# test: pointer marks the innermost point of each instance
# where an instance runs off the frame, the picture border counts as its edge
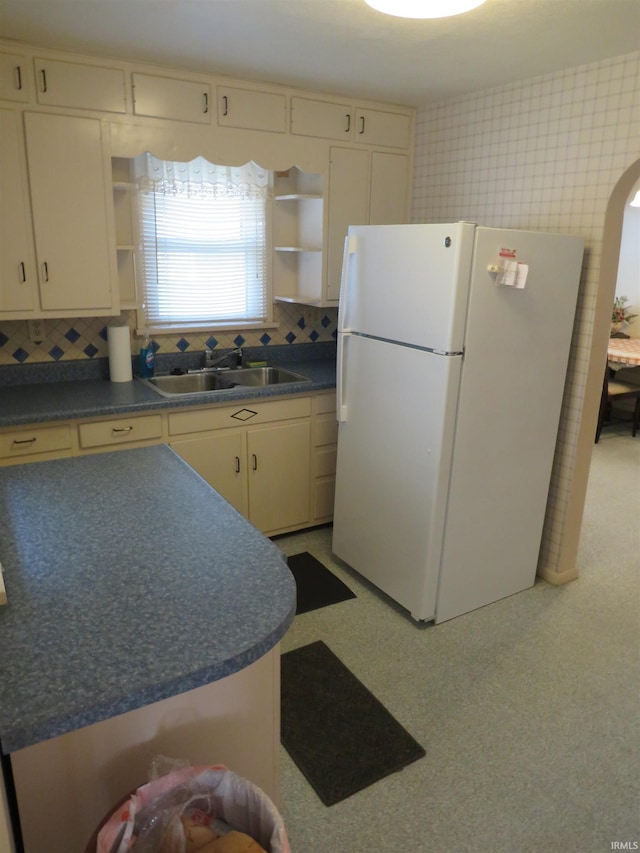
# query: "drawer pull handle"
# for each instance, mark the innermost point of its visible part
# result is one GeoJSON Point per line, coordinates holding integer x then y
{"type": "Point", "coordinates": [43, 73]}
{"type": "Point", "coordinates": [23, 273]}
{"type": "Point", "coordinates": [45, 271]}
{"type": "Point", "coordinates": [23, 441]}
{"type": "Point", "coordinates": [121, 429]}
{"type": "Point", "coordinates": [255, 461]}
{"type": "Point", "coordinates": [237, 464]}
{"type": "Point", "coordinates": [225, 105]}
{"type": "Point", "coordinates": [348, 127]}
{"type": "Point", "coordinates": [361, 124]}
{"type": "Point", "coordinates": [205, 102]}
{"type": "Point", "coordinates": [18, 78]}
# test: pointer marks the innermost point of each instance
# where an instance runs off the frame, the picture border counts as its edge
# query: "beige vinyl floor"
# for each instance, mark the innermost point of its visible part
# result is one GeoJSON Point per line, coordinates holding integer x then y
{"type": "Point", "coordinates": [527, 708]}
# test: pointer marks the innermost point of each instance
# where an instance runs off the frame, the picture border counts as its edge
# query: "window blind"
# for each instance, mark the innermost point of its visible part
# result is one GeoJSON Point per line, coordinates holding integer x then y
{"type": "Point", "coordinates": [203, 254]}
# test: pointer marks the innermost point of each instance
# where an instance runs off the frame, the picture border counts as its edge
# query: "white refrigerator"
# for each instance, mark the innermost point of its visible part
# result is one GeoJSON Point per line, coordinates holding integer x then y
{"type": "Point", "coordinates": [453, 342]}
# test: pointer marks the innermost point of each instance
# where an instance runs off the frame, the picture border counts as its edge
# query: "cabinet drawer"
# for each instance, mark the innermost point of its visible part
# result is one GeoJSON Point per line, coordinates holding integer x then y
{"type": "Point", "coordinates": [242, 414]}
{"type": "Point", "coordinates": [324, 403]}
{"type": "Point", "coordinates": [326, 430]}
{"type": "Point", "coordinates": [116, 432]}
{"type": "Point", "coordinates": [38, 440]}
{"type": "Point", "coordinates": [326, 462]}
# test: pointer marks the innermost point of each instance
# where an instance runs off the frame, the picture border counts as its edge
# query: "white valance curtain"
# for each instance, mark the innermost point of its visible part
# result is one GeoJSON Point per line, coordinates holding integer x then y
{"type": "Point", "coordinates": [199, 178]}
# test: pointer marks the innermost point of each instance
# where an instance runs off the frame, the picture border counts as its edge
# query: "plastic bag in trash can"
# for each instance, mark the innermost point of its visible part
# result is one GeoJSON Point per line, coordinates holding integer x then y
{"type": "Point", "coordinates": [154, 818]}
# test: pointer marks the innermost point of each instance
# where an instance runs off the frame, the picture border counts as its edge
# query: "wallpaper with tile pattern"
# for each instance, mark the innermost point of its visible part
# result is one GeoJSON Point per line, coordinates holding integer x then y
{"type": "Point", "coordinates": [543, 154]}
{"type": "Point", "coordinates": [82, 338]}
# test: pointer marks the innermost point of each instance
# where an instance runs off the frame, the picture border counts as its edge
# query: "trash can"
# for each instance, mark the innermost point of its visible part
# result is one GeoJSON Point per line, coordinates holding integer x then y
{"type": "Point", "coordinates": [188, 809]}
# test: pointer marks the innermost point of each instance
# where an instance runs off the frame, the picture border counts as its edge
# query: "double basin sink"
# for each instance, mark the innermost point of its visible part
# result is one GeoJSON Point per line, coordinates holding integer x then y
{"type": "Point", "coordinates": [206, 380]}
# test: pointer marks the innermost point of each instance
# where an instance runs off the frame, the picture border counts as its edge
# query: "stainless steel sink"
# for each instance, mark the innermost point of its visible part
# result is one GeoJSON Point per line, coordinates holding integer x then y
{"type": "Point", "coordinates": [205, 381]}
{"type": "Point", "coordinates": [264, 376]}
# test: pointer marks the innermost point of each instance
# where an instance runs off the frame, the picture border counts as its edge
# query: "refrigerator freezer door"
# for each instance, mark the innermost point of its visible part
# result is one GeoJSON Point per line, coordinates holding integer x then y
{"type": "Point", "coordinates": [515, 363]}
{"type": "Point", "coordinates": [408, 283]}
{"type": "Point", "coordinates": [394, 453]}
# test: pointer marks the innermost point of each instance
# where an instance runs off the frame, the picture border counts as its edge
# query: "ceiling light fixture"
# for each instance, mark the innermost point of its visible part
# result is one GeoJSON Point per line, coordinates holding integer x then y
{"type": "Point", "coordinates": [636, 200]}
{"type": "Point", "coordinates": [424, 8]}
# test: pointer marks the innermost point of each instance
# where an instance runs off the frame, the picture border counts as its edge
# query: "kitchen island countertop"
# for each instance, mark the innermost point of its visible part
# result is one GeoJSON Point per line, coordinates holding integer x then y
{"type": "Point", "coordinates": [129, 580]}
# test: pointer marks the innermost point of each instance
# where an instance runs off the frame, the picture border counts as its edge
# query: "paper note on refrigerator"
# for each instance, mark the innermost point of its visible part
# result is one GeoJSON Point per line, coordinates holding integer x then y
{"type": "Point", "coordinates": [512, 274]}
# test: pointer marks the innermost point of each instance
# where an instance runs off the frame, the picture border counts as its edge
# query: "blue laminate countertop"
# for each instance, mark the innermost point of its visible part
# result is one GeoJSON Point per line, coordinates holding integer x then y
{"type": "Point", "coordinates": [129, 580]}
{"type": "Point", "coordinates": [51, 401]}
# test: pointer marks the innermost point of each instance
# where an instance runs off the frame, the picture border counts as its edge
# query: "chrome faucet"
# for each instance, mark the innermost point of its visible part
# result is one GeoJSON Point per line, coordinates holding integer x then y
{"type": "Point", "coordinates": [211, 361]}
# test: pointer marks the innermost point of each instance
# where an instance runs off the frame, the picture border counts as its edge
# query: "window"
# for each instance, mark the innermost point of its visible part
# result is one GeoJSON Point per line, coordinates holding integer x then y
{"type": "Point", "coordinates": [204, 244]}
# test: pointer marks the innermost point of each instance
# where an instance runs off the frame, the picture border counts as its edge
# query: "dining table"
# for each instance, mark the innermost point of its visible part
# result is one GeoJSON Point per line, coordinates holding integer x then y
{"type": "Point", "coordinates": [623, 352]}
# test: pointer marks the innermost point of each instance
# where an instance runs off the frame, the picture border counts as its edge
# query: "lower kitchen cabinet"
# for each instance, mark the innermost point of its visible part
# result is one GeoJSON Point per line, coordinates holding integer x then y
{"type": "Point", "coordinates": [262, 469]}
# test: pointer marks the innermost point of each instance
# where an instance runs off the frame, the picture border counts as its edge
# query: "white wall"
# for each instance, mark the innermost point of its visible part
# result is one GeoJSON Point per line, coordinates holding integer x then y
{"type": "Point", "coordinates": [542, 154]}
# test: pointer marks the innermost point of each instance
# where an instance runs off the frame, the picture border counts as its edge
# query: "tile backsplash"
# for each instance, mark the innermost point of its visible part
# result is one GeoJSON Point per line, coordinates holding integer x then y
{"type": "Point", "coordinates": [86, 338]}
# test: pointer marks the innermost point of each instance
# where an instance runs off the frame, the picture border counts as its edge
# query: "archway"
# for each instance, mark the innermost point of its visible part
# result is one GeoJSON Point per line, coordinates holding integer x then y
{"type": "Point", "coordinates": [611, 238]}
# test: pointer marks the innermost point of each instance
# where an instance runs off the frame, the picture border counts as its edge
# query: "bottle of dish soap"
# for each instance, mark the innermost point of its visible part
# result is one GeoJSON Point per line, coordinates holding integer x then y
{"type": "Point", "coordinates": [147, 358]}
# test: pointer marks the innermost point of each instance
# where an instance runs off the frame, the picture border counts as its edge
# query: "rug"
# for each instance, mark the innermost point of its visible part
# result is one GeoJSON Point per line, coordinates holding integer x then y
{"type": "Point", "coordinates": [316, 585]}
{"type": "Point", "coordinates": [338, 734]}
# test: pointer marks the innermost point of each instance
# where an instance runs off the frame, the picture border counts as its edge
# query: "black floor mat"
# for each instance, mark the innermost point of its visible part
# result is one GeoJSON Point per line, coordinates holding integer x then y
{"type": "Point", "coordinates": [316, 585]}
{"type": "Point", "coordinates": [336, 731]}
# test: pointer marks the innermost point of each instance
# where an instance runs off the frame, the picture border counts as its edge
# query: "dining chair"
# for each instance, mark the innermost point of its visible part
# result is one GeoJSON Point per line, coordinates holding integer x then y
{"type": "Point", "coordinates": [613, 391]}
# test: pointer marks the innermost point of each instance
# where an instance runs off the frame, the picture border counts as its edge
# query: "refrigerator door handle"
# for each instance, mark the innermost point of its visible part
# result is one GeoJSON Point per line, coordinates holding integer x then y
{"type": "Point", "coordinates": [341, 407]}
{"type": "Point", "coordinates": [349, 250]}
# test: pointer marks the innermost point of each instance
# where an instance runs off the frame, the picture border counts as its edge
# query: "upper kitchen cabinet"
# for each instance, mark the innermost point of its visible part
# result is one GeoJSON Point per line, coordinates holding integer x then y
{"type": "Point", "coordinates": [13, 77]}
{"type": "Point", "coordinates": [70, 186]}
{"type": "Point", "coordinates": [18, 285]}
{"type": "Point", "coordinates": [88, 87]}
{"type": "Point", "coordinates": [321, 119]}
{"type": "Point", "coordinates": [169, 97]}
{"type": "Point", "coordinates": [251, 109]}
{"type": "Point", "coordinates": [327, 120]}
{"type": "Point", "coordinates": [385, 129]}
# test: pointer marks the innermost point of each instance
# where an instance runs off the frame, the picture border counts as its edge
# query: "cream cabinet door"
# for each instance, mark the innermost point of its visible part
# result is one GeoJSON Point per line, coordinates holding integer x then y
{"type": "Point", "coordinates": [82, 86]}
{"type": "Point", "coordinates": [321, 119]}
{"type": "Point", "coordinates": [220, 459]}
{"type": "Point", "coordinates": [166, 97]}
{"type": "Point", "coordinates": [348, 201]}
{"type": "Point", "coordinates": [18, 284]}
{"type": "Point", "coordinates": [389, 201]}
{"type": "Point", "coordinates": [279, 476]}
{"type": "Point", "coordinates": [376, 127]}
{"type": "Point", "coordinates": [252, 110]}
{"type": "Point", "coordinates": [13, 77]}
{"type": "Point", "coordinates": [75, 247]}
